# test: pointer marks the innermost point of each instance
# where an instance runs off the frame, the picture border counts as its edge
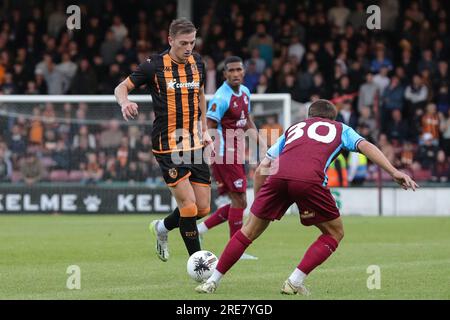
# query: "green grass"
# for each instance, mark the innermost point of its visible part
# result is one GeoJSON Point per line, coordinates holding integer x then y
{"type": "Point", "coordinates": [117, 260]}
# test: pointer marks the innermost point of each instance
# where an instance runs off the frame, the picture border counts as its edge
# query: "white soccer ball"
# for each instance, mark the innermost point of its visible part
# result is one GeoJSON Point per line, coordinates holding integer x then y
{"type": "Point", "coordinates": [201, 265]}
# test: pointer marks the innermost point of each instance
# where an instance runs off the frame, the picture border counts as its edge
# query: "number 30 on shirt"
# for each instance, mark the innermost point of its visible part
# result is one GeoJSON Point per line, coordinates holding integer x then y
{"type": "Point", "coordinates": [296, 132]}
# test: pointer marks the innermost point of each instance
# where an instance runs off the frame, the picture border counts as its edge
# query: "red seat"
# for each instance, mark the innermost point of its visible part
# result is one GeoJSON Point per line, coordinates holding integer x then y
{"type": "Point", "coordinates": [422, 175]}
{"type": "Point", "coordinates": [59, 175]}
{"type": "Point", "coordinates": [76, 175]}
{"type": "Point", "coordinates": [16, 176]}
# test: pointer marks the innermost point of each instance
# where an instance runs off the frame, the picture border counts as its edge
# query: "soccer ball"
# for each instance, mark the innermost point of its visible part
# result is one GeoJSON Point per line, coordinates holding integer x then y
{"type": "Point", "coordinates": [201, 265]}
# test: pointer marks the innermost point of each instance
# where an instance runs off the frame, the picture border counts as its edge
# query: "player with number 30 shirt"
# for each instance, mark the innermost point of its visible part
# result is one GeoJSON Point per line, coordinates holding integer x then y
{"type": "Point", "coordinates": [301, 157]}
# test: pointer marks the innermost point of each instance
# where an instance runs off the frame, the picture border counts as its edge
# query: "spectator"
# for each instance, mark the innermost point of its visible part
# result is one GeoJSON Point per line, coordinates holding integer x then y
{"type": "Point", "coordinates": [272, 129]}
{"type": "Point", "coordinates": [67, 67]}
{"type": "Point", "coordinates": [346, 114]}
{"type": "Point", "coordinates": [407, 155]}
{"type": "Point", "coordinates": [134, 173]}
{"type": "Point", "coordinates": [445, 132]}
{"type": "Point", "coordinates": [430, 122]}
{"type": "Point", "coordinates": [5, 166]}
{"type": "Point", "coordinates": [31, 169]}
{"type": "Point", "coordinates": [380, 61]}
{"type": "Point", "coordinates": [381, 79]}
{"type": "Point", "coordinates": [367, 92]}
{"type": "Point", "coordinates": [357, 168]}
{"type": "Point", "coordinates": [57, 82]}
{"type": "Point", "coordinates": [109, 48]}
{"type": "Point", "coordinates": [416, 96]}
{"type": "Point", "coordinates": [427, 153]}
{"type": "Point", "coordinates": [392, 99]}
{"type": "Point", "coordinates": [84, 134]}
{"type": "Point", "coordinates": [56, 20]}
{"type": "Point", "coordinates": [61, 155]}
{"type": "Point", "coordinates": [211, 76]}
{"type": "Point", "coordinates": [8, 86]}
{"type": "Point", "coordinates": [296, 50]}
{"type": "Point", "coordinates": [386, 147]}
{"type": "Point", "coordinates": [338, 15]}
{"type": "Point", "coordinates": [17, 143]}
{"type": "Point", "coordinates": [443, 99]}
{"type": "Point", "coordinates": [366, 120]}
{"type": "Point", "coordinates": [397, 128]}
{"type": "Point", "coordinates": [111, 138]}
{"type": "Point", "coordinates": [85, 80]}
{"type": "Point", "coordinates": [36, 129]}
{"type": "Point", "coordinates": [319, 88]}
{"type": "Point", "coordinates": [251, 77]}
{"type": "Point", "coordinates": [427, 62]}
{"type": "Point", "coordinates": [118, 29]}
{"type": "Point", "coordinates": [263, 42]}
{"type": "Point", "coordinates": [358, 17]}
{"type": "Point", "coordinates": [93, 173]}
{"type": "Point", "coordinates": [441, 168]}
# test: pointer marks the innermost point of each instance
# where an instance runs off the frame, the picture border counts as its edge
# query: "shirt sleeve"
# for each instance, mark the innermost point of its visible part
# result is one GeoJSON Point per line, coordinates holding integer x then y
{"type": "Point", "coordinates": [217, 108]}
{"type": "Point", "coordinates": [276, 149]}
{"type": "Point", "coordinates": [143, 74]}
{"type": "Point", "coordinates": [350, 138]}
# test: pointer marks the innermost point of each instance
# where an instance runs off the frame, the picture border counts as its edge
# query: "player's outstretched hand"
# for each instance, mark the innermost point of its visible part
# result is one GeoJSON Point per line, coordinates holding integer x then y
{"type": "Point", "coordinates": [405, 181]}
{"type": "Point", "coordinates": [129, 110]}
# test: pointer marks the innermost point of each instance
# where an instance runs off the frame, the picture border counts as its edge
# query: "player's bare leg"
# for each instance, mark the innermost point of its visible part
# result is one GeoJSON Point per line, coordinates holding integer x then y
{"type": "Point", "coordinates": [202, 193]}
{"type": "Point", "coordinates": [252, 229]}
{"type": "Point", "coordinates": [317, 253]}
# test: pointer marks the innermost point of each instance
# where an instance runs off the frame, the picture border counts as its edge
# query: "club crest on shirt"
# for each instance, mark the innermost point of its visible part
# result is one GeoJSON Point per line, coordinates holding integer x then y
{"type": "Point", "coordinates": [238, 183]}
{"type": "Point", "coordinates": [245, 100]}
{"type": "Point", "coordinates": [213, 107]}
{"type": "Point", "coordinates": [173, 173]}
{"type": "Point", "coordinates": [235, 105]}
{"type": "Point", "coordinates": [194, 68]}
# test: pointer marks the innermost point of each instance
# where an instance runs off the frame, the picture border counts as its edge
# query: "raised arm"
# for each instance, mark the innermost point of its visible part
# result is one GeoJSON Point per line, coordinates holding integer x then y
{"type": "Point", "coordinates": [377, 157]}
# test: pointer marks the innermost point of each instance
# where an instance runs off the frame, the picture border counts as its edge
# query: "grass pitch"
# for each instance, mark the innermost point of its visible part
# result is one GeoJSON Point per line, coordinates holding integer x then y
{"type": "Point", "coordinates": [117, 259]}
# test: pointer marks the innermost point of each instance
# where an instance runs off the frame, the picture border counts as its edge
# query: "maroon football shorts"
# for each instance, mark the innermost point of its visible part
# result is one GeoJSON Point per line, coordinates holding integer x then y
{"type": "Point", "coordinates": [229, 177]}
{"type": "Point", "coordinates": [314, 201]}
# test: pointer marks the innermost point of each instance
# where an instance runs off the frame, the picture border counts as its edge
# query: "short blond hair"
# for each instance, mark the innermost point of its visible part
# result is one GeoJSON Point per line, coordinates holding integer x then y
{"type": "Point", "coordinates": [181, 26]}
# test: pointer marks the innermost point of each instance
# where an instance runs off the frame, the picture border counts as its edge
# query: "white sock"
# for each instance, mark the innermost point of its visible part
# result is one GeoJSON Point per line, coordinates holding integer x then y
{"type": "Point", "coordinates": [216, 276]}
{"type": "Point", "coordinates": [297, 277]}
{"type": "Point", "coordinates": [202, 228]}
{"type": "Point", "coordinates": [160, 227]}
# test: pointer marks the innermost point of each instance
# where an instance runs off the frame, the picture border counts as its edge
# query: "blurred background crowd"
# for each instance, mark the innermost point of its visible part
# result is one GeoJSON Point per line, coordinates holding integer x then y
{"type": "Point", "coordinates": [391, 85]}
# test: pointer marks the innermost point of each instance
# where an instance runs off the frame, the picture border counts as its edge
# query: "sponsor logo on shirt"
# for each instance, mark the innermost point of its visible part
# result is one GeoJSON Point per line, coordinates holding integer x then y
{"type": "Point", "coordinates": [173, 84]}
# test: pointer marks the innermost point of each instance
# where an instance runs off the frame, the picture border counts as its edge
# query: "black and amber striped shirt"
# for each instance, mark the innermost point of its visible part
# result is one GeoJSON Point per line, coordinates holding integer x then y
{"type": "Point", "coordinates": [175, 92]}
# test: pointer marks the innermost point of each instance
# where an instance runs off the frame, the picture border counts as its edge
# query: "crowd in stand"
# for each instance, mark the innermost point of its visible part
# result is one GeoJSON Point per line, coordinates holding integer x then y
{"type": "Point", "coordinates": [391, 85]}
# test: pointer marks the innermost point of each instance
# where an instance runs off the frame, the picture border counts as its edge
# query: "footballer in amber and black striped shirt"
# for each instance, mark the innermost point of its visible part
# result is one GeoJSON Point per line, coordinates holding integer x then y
{"type": "Point", "coordinates": [176, 81]}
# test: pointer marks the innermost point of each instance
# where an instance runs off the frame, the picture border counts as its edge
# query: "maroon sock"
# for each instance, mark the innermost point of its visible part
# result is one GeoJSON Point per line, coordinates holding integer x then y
{"type": "Point", "coordinates": [218, 217]}
{"type": "Point", "coordinates": [233, 251]}
{"type": "Point", "coordinates": [235, 220]}
{"type": "Point", "coordinates": [317, 253]}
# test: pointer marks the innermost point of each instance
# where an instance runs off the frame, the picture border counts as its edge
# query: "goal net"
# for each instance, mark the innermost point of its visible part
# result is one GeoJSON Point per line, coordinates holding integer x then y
{"type": "Point", "coordinates": [82, 141]}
